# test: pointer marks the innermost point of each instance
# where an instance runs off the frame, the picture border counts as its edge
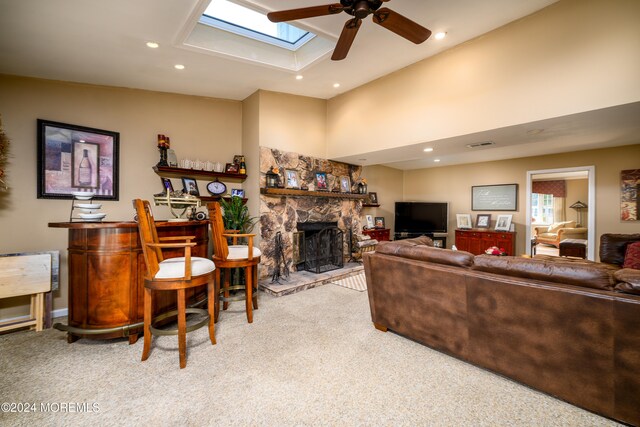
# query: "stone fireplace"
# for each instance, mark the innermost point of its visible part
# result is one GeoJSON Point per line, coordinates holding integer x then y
{"type": "Point", "coordinates": [288, 214]}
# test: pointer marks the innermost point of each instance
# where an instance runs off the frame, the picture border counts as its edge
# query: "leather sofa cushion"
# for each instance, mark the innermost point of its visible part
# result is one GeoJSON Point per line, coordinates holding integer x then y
{"type": "Point", "coordinates": [413, 250]}
{"type": "Point", "coordinates": [630, 280]}
{"type": "Point", "coordinates": [614, 246]}
{"type": "Point", "coordinates": [586, 274]}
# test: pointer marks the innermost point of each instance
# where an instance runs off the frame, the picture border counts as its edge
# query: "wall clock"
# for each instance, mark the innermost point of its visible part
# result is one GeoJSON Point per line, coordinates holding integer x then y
{"type": "Point", "coordinates": [216, 188]}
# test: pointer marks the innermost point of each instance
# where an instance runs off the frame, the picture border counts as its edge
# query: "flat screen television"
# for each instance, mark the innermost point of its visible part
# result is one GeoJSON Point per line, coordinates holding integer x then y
{"type": "Point", "coordinates": [421, 217]}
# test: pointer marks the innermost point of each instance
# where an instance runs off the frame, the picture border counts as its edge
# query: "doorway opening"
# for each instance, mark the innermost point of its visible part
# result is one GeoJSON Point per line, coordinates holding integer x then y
{"type": "Point", "coordinates": [565, 198]}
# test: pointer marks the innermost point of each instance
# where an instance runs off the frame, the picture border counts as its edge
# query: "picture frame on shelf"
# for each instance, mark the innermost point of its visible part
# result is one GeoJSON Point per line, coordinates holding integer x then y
{"type": "Point", "coordinates": [237, 192]}
{"type": "Point", "coordinates": [75, 158]}
{"type": "Point", "coordinates": [369, 221]}
{"type": "Point", "coordinates": [483, 220]}
{"type": "Point", "coordinates": [166, 184]}
{"type": "Point", "coordinates": [373, 198]}
{"type": "Point", "coordinates": [190, 186]}
{"type": "Point", "coordinates": [238, 158]}
{"type": "Point", "coordinates": [503, 223]}
{"type": "Point", "coordinates": [463, 221]}
{"type": "Point", "coordinates": [172, 159]}
{"type": "Point", "coordinates": [291, 179]}
{"type": "Point", "coordinates": [231, 168]}
{"type": "Point", "coordinates": [345, 184]}
{"type": "Point", "coordinates": [321, 181]}
{"type": "Point", "coordinates": [379, 222]}
{"type": "Point", "coordinates": [437, 243]}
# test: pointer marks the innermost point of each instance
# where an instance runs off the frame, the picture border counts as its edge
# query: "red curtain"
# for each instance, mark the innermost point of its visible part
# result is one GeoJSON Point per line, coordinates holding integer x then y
{"type": "Point", "coordinates": [557, 188]}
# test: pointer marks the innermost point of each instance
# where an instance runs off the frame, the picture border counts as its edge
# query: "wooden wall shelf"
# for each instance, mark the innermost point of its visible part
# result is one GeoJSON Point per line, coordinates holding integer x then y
{"type": "Point", "coordinates": [303, 193]}
{"type": "Point", "coordinates": [370, 205]}
{"type": "Point", "coordinates": [171, 172]}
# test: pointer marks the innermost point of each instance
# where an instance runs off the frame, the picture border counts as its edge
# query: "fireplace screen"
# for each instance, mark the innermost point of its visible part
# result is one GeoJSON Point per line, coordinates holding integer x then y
{"type": "Point", "coordinates": [319, 246]}
{"type": "Point", "coordinates": [323, 250]}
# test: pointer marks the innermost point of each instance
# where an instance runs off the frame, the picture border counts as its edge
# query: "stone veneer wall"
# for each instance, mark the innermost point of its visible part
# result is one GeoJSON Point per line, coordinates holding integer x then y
{"type": "Point", "coordinates": [282, 213]}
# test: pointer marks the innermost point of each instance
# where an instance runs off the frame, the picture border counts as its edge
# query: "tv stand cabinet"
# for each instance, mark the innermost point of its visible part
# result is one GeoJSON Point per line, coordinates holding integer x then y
{"type": "Point", "coordinates": [439, 239]}
{"type": "Point", "coordinates": [477, 240]}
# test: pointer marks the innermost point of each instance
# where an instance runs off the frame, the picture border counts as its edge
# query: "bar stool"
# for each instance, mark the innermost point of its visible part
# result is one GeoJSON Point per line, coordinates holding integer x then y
{"type": "Point", "coordinates": [172, 274]}
{"type": "Point", "coordinates": [235, 256]}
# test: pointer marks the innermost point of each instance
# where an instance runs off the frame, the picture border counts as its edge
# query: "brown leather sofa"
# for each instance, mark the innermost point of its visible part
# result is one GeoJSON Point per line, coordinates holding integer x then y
{"type": "Point", "coordinates": [555, 325]}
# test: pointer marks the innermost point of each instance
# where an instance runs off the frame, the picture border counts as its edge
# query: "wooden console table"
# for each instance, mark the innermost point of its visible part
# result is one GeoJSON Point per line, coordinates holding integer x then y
{"type": "Point", "coordinates": [478, 240]}
{"type": "Point", "coordinates": [106, 276]}
{"type": "Point", "coordinates": [380, 234]}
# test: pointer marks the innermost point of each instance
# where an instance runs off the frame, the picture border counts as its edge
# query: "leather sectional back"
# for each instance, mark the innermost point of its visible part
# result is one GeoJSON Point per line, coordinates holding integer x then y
{"type": "Point", "coordinates": [614, 246]}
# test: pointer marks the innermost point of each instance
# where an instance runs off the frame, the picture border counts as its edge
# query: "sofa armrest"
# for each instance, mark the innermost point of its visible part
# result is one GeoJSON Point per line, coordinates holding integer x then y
{"type": "Point", "coordinates": [540, 229]}
{"type": "Point", "coordinates": [629, 280]}
{"type": "Point", "coordinates": [572, 233]}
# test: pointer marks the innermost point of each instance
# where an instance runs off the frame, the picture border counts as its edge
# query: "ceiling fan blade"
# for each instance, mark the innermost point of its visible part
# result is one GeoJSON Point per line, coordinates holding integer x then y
{"type": "Point", "coordinates": [400, 25]}
{"type": "Point", "coordinates": [305, 12]}
{"type": "Point", "coordinates": [346, 39]}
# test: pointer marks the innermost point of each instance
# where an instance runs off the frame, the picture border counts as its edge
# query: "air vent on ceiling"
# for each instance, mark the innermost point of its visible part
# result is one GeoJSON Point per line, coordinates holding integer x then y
{"type": "Point", "coordinates": [481, 144]}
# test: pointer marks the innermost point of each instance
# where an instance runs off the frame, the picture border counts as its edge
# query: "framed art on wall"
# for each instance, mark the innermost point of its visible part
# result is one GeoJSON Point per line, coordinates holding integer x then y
{"type": "Point", "coordinates": [74, 158]}
{"type": "Point", "coordinates": [502, 197]}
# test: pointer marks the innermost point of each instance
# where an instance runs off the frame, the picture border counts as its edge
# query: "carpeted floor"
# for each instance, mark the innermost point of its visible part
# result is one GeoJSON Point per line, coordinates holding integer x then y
{"type": "Point", "coordinates": [311, 358]}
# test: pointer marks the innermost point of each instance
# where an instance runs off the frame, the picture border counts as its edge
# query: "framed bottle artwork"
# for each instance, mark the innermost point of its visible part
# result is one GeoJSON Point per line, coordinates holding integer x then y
{"type": "Point", "coordinates": [74, 158]}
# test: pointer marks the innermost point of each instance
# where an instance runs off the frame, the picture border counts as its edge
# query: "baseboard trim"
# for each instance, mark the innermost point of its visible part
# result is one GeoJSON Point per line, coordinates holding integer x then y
{"type": "Point", "coordinates": [62, 312]}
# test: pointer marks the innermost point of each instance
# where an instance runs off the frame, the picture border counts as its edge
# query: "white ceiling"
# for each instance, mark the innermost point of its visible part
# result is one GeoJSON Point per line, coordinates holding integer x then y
{"type": "Point", "coordinates": [103, 42]}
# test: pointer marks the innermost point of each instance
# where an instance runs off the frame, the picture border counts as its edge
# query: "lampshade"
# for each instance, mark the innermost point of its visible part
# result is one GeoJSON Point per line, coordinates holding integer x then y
{"type": "Point", "coordinates": [578, 205]}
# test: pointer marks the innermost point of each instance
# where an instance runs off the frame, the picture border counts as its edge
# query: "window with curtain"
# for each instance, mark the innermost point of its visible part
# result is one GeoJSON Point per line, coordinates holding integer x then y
{"type": "Point", "coordinates": [548, 201]}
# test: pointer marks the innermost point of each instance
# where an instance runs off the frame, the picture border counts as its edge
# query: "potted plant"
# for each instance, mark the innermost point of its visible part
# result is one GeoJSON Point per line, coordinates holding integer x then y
{"type": "Point", "coordinates": [235, 215]}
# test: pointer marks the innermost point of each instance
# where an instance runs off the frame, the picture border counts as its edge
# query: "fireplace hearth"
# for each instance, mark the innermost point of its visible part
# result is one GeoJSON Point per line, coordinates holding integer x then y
{"type": "Point", "coordinates": [322, 247]}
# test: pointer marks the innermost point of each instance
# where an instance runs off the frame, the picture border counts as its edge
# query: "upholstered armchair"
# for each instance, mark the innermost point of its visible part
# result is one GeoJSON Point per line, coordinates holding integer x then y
{"type": "Point", "coordinates": [555, 233]}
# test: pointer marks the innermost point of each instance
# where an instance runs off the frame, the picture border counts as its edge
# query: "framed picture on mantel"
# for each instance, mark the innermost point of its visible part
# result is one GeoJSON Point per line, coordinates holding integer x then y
{"type": "Point", "coordinates": [74, 158]}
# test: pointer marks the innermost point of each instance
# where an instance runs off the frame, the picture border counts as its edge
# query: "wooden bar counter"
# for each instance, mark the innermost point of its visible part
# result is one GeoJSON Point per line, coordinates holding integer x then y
{"type": "Point", "coordinates": [106, 276]}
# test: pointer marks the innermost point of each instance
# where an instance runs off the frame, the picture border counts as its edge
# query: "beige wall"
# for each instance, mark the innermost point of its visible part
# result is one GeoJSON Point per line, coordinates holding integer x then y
{"type": "Point", "coordinates": [293, 123]}
{"type": "Point", "coordinates": [453, 184]}
{"type": "Point", "coordinates": [387, 183]}
{"type": "Point", "coordinates": [573, 56]}
{"type": "Point", "coordinates": [251, 150]}
{"type": "Point", "coordinates": [577, 189]}
{"type": "Point", "coordinates": [203, 128]}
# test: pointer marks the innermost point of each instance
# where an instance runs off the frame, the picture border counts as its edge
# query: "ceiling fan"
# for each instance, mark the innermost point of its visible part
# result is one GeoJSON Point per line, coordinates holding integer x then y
{"type": "Point", "coordinates": [359, 9]}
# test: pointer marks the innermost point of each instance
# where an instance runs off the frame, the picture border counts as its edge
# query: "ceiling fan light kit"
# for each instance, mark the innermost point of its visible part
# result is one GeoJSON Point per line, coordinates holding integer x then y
{"type": "Point", "coordinates": [359, 9]}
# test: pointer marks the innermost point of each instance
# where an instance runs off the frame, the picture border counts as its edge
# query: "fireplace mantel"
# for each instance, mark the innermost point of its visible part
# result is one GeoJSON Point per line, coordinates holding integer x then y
{"type": "Point", "coordinates": [304, 193]}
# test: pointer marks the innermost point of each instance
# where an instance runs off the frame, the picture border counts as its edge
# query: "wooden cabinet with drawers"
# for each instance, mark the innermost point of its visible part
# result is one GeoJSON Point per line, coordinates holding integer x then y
{"type": "Point", "coordinates": [477, 241]}
{"type": "Point", "coordinates": [380, 234]}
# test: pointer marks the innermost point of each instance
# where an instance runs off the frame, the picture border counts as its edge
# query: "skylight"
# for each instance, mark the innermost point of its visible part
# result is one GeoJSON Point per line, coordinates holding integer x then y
{"type": "Point", "coordinates": [237, 19]}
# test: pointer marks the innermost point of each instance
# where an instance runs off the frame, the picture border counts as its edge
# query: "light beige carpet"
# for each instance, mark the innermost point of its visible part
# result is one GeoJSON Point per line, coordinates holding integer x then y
{"type": "Point", "coordinates": [312, 358]}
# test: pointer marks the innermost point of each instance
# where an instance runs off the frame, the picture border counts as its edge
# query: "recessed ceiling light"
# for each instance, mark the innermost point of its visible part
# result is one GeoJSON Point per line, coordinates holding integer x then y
{"type": "Point", "coordinates": [179, 67]}
{"type": "Point", "coordinates": [534, 131]}
{"type": "Point", "coordinates": [299, 77]}
{"type": "Point", "coordinates": [436, 160]}
{"type": "Point", "coordinates": [362, 160]}
{"type": "Point", "coordinates": [428, 150]}
{"type": "Point", "coordinates": [440, 35]}
{"type": "Point", "coordinates": [153, 45]}
{"type": "Point", "coordinates": [336, 85]}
